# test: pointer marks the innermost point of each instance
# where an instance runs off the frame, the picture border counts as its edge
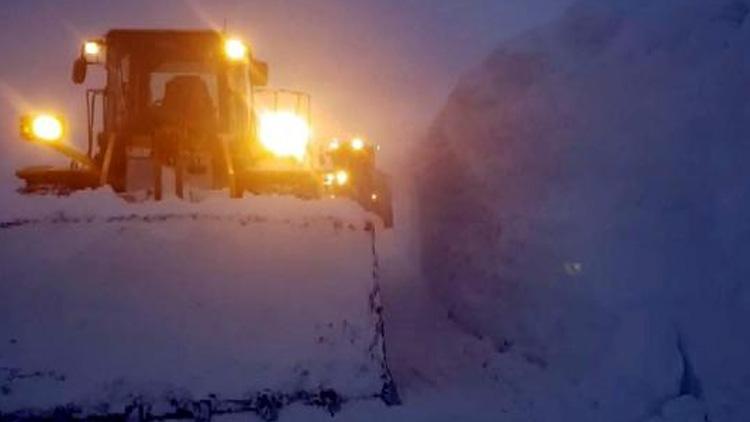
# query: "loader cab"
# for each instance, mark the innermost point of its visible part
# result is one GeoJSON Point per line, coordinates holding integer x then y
{"type": "Point", "coordinates": [188, 111]}
{"type": "Point", "coordinates": [180, 96]}
{"type": "Point", "coordinates": [153, 73]}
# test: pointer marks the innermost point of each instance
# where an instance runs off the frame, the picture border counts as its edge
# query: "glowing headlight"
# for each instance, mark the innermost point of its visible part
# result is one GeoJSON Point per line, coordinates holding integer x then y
{"type": "Point", "coordinates": [358, 144]}
{"type": "Point", "coordinates": [235, 49]}
{"type": "Point", "coordinates": [334, 144]}
{"type": "Point", "coordinates": [92, 48]}
{"type": "Point", "coordinates": [284, 133]}
{"type": "Point", "coordinates": [93, 51]}
{"type": "Point", "coordinates": [342, 177]}
{"type": "Point", "coordinates": [42, 127]}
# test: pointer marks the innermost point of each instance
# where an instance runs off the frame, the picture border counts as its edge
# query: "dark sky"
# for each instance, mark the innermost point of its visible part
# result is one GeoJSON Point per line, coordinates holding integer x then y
{"type": "Point", "coordinates": [377, 67]}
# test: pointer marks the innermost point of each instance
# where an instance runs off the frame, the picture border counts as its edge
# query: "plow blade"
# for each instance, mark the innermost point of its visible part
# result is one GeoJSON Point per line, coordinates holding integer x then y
{"type": "Point", "coordinates": [187, 316]}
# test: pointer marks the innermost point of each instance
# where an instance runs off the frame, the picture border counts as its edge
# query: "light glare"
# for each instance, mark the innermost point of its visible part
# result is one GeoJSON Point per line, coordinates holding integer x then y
{"type": "Point", "coordinates": [47, 127]}
{"type": "Point", "coordinates": [358, 144]}
{"type": "Point", "coordinates": [235, 49]}
{"type": "Point", "coordinates": [284, 134]}
{"type": "Point", "coordinates": [342, 177]}
{"type": "Point", "coordinates": [91, 48]}
{"type": "Point", "coordinates": [93, 51]}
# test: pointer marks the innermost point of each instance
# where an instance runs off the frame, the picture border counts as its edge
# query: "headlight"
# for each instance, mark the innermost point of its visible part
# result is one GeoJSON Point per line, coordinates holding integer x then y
{"type": "Point", "coordinates": [235, 49]}
{"type": "Point", "coordinates": [93, 51]}
{"type": "Point", "coordinates": [342, 177]}
{"type": "Point", "coordinates": [284, 133]}
{"type": "Point", "coordinates": [334, 144]}
{"type": "Point", "coordinates": [358, 144]}
{"type": "Point", "coordinates": [42, 127]}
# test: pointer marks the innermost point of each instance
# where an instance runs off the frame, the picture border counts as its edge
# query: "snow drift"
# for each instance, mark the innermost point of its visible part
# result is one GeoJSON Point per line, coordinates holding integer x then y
{"type": "Point", "coordinates": [584, 204]}
{"type": "Point", "coordinates": [184, 310]}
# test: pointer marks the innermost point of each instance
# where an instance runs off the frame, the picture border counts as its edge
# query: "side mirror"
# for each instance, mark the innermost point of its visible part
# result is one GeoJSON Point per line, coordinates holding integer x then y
{"type": "Point", "coordinates": [79, 71]}
{"type": "Point", "coordinates": [258, 72]}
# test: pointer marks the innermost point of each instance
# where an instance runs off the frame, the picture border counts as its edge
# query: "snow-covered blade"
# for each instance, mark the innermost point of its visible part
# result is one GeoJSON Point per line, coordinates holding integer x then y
{"type": "Point", "coordinates": [185, 314]}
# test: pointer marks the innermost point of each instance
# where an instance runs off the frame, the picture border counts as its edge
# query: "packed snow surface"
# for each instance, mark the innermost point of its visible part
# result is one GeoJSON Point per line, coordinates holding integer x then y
{"type": "Point", "coordinates": [584, 200]}
{"type": "Point", "coordinates": [107, 304]}
{"type": "Point", "coordinates": [103, 202]}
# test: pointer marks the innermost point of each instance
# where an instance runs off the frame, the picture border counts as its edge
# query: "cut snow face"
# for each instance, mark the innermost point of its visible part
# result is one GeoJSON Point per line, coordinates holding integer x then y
{"type": "Point", "coordinates": [584, 204]}
{"type": "Point", "coordinates": [186, 309]}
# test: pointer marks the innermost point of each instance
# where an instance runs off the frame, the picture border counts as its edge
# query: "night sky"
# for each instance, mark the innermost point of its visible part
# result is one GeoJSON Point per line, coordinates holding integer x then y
{"type": "Point", "coordinates": [380, 68]}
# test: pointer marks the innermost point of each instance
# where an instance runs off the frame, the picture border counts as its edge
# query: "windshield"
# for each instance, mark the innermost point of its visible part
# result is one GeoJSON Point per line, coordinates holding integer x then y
{"type": "Point", "coordinates": [155, 93]}
{"type": "Point", "coordinates": [169, 72]}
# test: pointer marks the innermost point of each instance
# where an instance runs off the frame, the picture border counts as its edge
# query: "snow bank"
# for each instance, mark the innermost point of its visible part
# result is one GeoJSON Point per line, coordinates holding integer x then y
{"type": "Point", "coordinates": [584, 203]}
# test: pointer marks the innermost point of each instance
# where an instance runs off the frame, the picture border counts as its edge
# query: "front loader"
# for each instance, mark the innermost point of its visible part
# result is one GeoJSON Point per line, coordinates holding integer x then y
{"type": "Point", "coordinates": [214, 282]}
{"type": "Point", "coordinates": [187, 112]}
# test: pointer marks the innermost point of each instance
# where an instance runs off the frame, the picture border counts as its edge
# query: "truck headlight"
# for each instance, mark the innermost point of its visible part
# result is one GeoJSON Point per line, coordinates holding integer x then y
{"type": "Point", "coordinates": [42, 127]}
{"type": "Point", "coordinates": [342, 177]}
{"type": "Point", "coordinates": [284, 134]}
{"type": "Point", "coordinates": [358, 144]}
{"type": "Point", "coordinates": [339, 177]}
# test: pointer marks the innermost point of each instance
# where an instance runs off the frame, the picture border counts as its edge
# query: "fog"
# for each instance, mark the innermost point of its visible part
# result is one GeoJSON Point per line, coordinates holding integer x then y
{"type": "Point", "coordinates": [381, 69]}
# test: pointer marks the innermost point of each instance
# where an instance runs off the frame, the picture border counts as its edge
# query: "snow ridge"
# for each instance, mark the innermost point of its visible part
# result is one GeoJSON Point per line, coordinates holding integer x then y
{"type": "Point", "coordinates": [584, 192]}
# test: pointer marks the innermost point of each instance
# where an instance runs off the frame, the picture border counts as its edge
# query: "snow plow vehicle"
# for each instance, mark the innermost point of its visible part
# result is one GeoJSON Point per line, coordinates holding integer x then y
{"type": "Point", "coordinates": [194, 104]}
{"type": "Point", "coordinates": [209, 283]}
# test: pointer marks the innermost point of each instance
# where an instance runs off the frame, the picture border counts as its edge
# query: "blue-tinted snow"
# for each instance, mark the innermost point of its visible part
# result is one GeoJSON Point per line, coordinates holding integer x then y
{"type": "Point", "coordinates": [585, 205]}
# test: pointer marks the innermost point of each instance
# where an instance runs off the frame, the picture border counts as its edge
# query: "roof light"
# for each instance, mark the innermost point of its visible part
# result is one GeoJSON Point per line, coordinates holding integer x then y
{"type": "Point", "coordinates": [91, 48]}
{"type": "Point", "coordinates": [93, 51]}
{"type": "Point", "coordinates": [235, 49]}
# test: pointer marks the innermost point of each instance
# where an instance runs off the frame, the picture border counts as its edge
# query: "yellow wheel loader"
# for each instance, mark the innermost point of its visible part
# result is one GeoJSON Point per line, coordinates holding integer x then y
{"type": "Point", "coordinates": [166, 301]}
{"type": "Point", "coordinates": [195, 104]}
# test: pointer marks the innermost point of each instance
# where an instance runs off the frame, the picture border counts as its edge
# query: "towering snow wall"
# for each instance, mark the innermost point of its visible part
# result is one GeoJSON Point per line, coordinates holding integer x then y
{"type": "Point", "coordinates": [585, 203]}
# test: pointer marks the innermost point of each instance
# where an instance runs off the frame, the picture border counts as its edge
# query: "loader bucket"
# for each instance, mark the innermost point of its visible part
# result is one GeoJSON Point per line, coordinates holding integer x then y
{"type": "Point", "coordinates": [150, 314]}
